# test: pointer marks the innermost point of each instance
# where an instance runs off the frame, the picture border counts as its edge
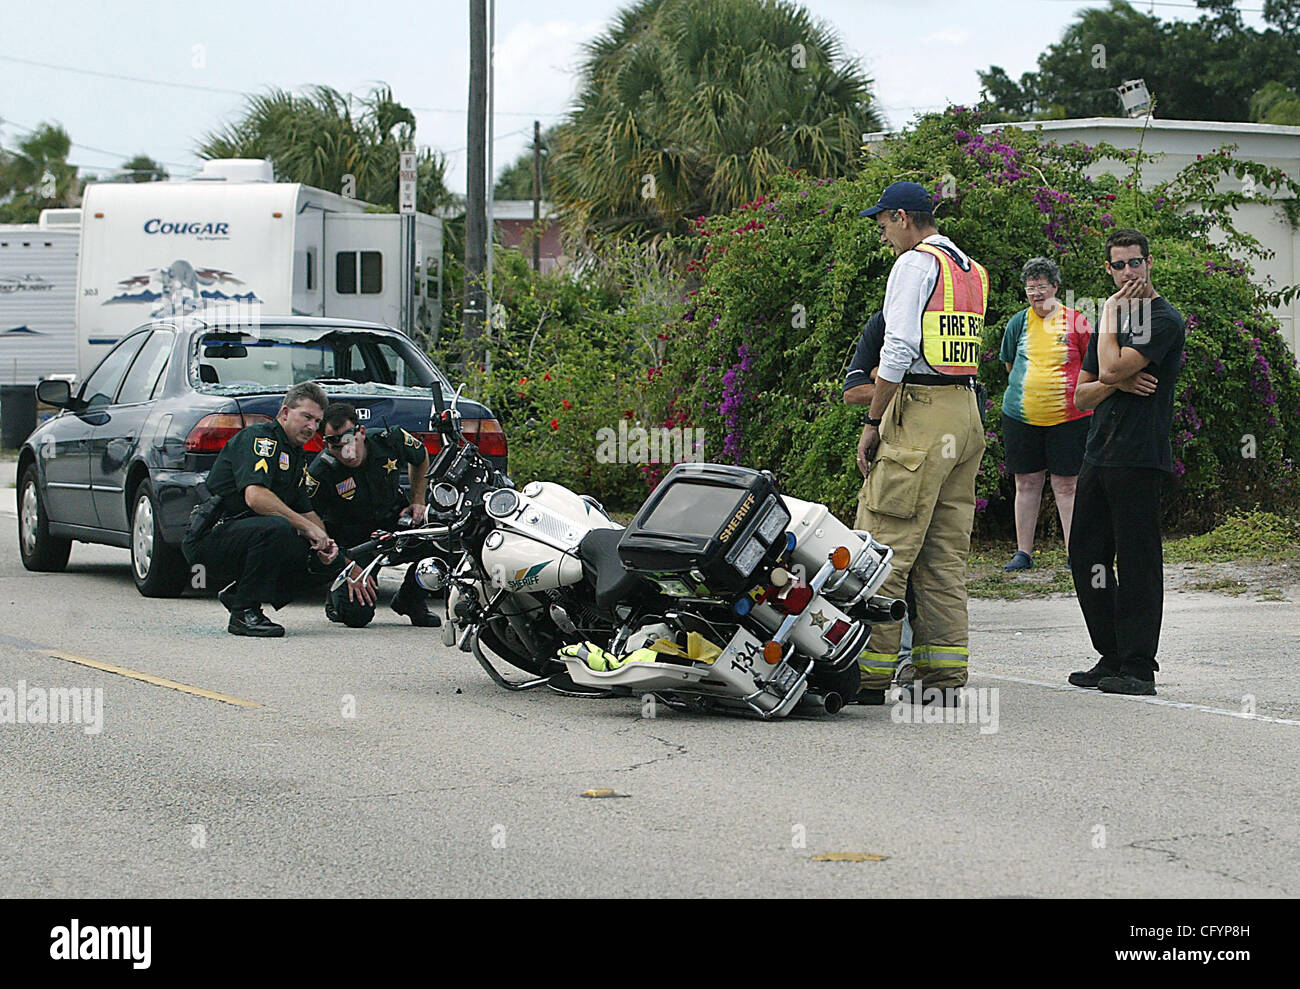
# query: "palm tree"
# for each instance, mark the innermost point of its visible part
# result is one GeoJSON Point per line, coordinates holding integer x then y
{"type": "Point", "coordinates": [37, 176]}
{"type": "Point", "coordinates": [321, 137]}
{"type": "Point", "coordinates": [688, 108]}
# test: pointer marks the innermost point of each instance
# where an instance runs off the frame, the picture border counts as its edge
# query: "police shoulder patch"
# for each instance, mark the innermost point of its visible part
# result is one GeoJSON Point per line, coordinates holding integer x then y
{"type": "Point", "coordinates": [263, 446]}
{"type": "Point", "coordinates": [347, 488]}
{"type": "Point", "coordinates": [411, 440]}
{"type": "Point", "coordinates": [311, 482]}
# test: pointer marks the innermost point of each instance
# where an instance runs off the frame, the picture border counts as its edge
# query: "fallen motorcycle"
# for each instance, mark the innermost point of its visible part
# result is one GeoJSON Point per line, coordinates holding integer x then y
{"type": "Point", "coordinates": [721, 593]}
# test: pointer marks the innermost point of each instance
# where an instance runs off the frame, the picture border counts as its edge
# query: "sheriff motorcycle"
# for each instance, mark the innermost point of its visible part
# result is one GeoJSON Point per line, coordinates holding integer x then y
{"type": "Point", "coordinates": [721, 592]}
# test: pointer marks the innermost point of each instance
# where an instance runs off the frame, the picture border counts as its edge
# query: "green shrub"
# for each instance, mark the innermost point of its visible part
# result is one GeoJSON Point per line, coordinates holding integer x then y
{"type": "Point", "coordinates": [786, 282]}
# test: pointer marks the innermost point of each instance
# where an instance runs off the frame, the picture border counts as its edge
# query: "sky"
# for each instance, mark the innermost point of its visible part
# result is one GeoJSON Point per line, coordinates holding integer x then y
{"type": "Point", "coordinates": [128, 77]}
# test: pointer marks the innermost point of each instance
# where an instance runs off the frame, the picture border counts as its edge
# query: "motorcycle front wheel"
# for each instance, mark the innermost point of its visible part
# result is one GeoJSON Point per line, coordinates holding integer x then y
{"type": "Point", "coordinates": [500, 638]}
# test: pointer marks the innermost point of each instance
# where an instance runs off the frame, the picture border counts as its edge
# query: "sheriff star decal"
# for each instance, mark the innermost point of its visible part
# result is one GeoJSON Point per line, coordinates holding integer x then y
{"type": "Point", "coordinates": [818, 619]}
{"type": "Point", "coordinates": [390, 465]}
{"type": "Point", "coordinates": [263, 446]}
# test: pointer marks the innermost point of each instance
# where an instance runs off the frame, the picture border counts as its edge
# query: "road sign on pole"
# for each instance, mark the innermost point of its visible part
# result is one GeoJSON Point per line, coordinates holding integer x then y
{"type": "Point", "coordinates": [406, 190]}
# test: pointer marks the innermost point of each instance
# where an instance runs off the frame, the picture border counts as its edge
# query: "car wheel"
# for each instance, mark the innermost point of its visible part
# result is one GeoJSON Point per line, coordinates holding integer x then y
{"type": "Point", "coordinates": [40, 551]}
{"type": "Point", "coordinates": [159, 569]}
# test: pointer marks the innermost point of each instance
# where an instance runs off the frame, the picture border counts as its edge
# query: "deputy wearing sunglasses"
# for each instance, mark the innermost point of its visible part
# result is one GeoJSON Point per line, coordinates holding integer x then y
{"type": "Point", "coordinates": [1128, 376]}
{"type": "Point", "coordinates": [355, 486]}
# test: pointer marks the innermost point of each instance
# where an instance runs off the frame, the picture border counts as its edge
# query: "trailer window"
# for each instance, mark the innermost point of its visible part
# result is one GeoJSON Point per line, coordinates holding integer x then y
{"type": "Point", "coordinates": [370, 264]}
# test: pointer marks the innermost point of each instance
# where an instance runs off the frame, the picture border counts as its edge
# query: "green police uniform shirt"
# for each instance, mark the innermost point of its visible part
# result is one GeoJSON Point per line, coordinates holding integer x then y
{"type": "Point", "coordinates": [361, 497]}
{"type": "Point", "coordinates": [262, 455]}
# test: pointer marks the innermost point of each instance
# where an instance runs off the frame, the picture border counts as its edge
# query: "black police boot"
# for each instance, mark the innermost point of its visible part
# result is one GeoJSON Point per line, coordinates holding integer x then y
{"type": "Point", "coordinates": [330, 613]}
{"type": "Point", "coordinates": [409, 601]}
{"type": "Point", "coordinates": [251, 621]}
{"type": "Point", "coordinates": [872, 698]}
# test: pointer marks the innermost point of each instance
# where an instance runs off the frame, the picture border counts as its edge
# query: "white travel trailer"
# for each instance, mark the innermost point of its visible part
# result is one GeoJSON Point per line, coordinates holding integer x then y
{"type": "Point", "coordinates": [38, 297]}
{"type": "Point", "coordinates": [233, 236]}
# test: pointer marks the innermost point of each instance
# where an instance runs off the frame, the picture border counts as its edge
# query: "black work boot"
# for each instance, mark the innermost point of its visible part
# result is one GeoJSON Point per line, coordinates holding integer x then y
{"type": "Point", "coordinates": [872, 698]}
{"type": "Point", "coordinates": [409, 601]}
{"type": "Point", "coordinates": [1093, 677]}
{"type": "Point", "coordinates": [918, 693]}
{"type": "Point", "coordinates": [1126, 683]}
{"type": "Point", "coordinates": [251, 621]}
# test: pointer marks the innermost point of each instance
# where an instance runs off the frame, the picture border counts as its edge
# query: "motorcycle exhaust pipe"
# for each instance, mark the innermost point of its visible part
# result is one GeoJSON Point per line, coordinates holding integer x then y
{"type": "Point", "coordinates": [883, 609]}
{"type": "Point", "coordinates": [827, 703]}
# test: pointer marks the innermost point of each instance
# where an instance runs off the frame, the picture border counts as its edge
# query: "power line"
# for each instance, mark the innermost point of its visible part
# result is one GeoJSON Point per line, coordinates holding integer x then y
{"type": "Point", "coordinates": [87, 147]}
{"type": "Point", "coordinates": [237, 92]}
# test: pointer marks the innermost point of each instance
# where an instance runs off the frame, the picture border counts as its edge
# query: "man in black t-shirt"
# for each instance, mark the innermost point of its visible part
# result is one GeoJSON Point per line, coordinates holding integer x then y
{"type": "Point", "coordinates": [1128, 377]}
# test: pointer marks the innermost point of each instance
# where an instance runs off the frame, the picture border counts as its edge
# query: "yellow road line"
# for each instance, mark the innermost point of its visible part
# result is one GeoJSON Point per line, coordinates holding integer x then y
{"type": "Point", "coordinates": [184, 688]}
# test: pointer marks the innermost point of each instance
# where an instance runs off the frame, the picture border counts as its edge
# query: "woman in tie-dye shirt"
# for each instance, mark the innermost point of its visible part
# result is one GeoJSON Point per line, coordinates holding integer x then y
{"type": "Point", "coordinates": [1043, 433]}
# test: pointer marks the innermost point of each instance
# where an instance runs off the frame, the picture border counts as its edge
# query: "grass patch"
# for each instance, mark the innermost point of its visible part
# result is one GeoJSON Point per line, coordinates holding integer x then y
{"type": "Point", "coordinates": [1227, 585]}
{"type": "Point", "coordinates": [1016, 587]}
{"type": "Point", "coordinates": [1241, 536]}
{"type": "Point", "coordinates": [1271, 594]}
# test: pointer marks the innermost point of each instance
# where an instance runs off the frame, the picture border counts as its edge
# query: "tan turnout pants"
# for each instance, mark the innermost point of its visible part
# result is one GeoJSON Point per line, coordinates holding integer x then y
{"type": "Point", "coordinates": [919, 498]}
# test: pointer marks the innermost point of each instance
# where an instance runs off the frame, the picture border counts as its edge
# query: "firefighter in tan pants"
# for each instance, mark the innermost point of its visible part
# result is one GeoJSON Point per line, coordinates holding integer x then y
{"type": "Point", "coordinates": [922, 444]}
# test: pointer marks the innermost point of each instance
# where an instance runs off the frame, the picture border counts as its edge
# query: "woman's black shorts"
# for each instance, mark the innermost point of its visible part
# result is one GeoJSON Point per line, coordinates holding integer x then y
{"type": "Point", "coordinates": [1055, 449]}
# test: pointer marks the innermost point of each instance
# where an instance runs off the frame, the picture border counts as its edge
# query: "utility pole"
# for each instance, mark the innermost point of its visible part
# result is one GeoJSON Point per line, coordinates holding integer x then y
{"type": "Point", "coordinates": [475, 308]}
{"type": "Point", "coordinates": [491, 139]}
{"type": "Point", "coordinates": [537, 195]}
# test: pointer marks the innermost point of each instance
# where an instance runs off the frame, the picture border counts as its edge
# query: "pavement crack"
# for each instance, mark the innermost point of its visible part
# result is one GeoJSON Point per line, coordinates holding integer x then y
{"type": "Point", "coordinates": [1173, 856]}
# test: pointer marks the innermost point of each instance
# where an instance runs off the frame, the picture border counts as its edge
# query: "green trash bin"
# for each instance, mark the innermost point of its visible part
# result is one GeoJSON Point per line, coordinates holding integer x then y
{"type": "Point", "coordinates": [17, 415]}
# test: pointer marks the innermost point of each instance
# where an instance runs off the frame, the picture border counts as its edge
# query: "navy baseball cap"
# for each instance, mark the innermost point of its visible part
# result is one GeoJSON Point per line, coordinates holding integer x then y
{"type": "Point", "coordinates": [902, 195]}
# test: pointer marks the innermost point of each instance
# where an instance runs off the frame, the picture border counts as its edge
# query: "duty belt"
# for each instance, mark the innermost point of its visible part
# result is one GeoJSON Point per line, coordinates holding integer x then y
{"type": "Point", "coordinates": [962, 380]}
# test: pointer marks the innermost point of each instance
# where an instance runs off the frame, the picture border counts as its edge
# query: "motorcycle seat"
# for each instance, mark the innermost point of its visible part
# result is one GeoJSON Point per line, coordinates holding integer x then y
{"type": "Point", "coordinates": [600, 561]}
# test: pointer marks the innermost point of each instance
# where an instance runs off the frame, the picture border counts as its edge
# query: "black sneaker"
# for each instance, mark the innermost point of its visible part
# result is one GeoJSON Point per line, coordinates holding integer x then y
{"type": "Point", "coordinates": [1093, 677]}
{"type": "Point", "coordinates": [227, 597]}
{"type": "Point", "coordinates": [251, 621]}
{"type": "Point", "coordinates": [1126, 684]}
{"type": "Point", "coordinates": [872, 698]}
{"type": "Point", "coordinates": [330, 613]}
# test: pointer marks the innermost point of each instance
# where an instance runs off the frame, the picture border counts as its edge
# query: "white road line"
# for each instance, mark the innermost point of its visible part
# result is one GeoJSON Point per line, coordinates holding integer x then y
{"type": "Point", "coordinates": [1204, 709]}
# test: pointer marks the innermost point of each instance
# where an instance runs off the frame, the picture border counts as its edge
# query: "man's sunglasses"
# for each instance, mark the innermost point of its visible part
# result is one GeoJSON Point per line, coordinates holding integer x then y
{"type": "Point", "coordinates": [1131, 262]}
{"type": "Point", "coordinates": [336, 442]}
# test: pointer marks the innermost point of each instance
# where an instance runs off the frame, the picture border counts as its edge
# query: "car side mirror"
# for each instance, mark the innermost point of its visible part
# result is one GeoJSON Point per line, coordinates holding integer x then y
{"type": "Point", "coordinates": [54, 392]}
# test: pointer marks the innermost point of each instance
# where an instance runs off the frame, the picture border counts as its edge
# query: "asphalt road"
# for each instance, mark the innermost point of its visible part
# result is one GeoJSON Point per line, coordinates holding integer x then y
{"type": "Point", "coordinates": [439, 783]}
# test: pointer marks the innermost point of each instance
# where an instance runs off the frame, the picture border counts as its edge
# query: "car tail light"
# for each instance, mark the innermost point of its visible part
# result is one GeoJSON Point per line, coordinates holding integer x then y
{"type": "Point", "coordinates": [487, 435]}
{"type": "Point", "coordinates": [432, 442]}
{"type": "Point", "coordinates": [214, 431]}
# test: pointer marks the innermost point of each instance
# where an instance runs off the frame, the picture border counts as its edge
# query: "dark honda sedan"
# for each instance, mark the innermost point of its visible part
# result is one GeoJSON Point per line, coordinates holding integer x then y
{"type": "Point", "coordinates": [121, 463]}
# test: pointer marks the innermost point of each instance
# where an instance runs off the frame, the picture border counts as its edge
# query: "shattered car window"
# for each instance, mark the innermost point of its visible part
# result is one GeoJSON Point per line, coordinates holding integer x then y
{"type": "Point", "coordinates": [277, 358]}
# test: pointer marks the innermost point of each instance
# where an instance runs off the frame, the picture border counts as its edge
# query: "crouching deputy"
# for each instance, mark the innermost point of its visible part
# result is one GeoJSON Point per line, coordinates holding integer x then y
{"type": "Point", "coordinates": [355, 485]}
{"type": "Point", "coordinates": [258, 523]}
